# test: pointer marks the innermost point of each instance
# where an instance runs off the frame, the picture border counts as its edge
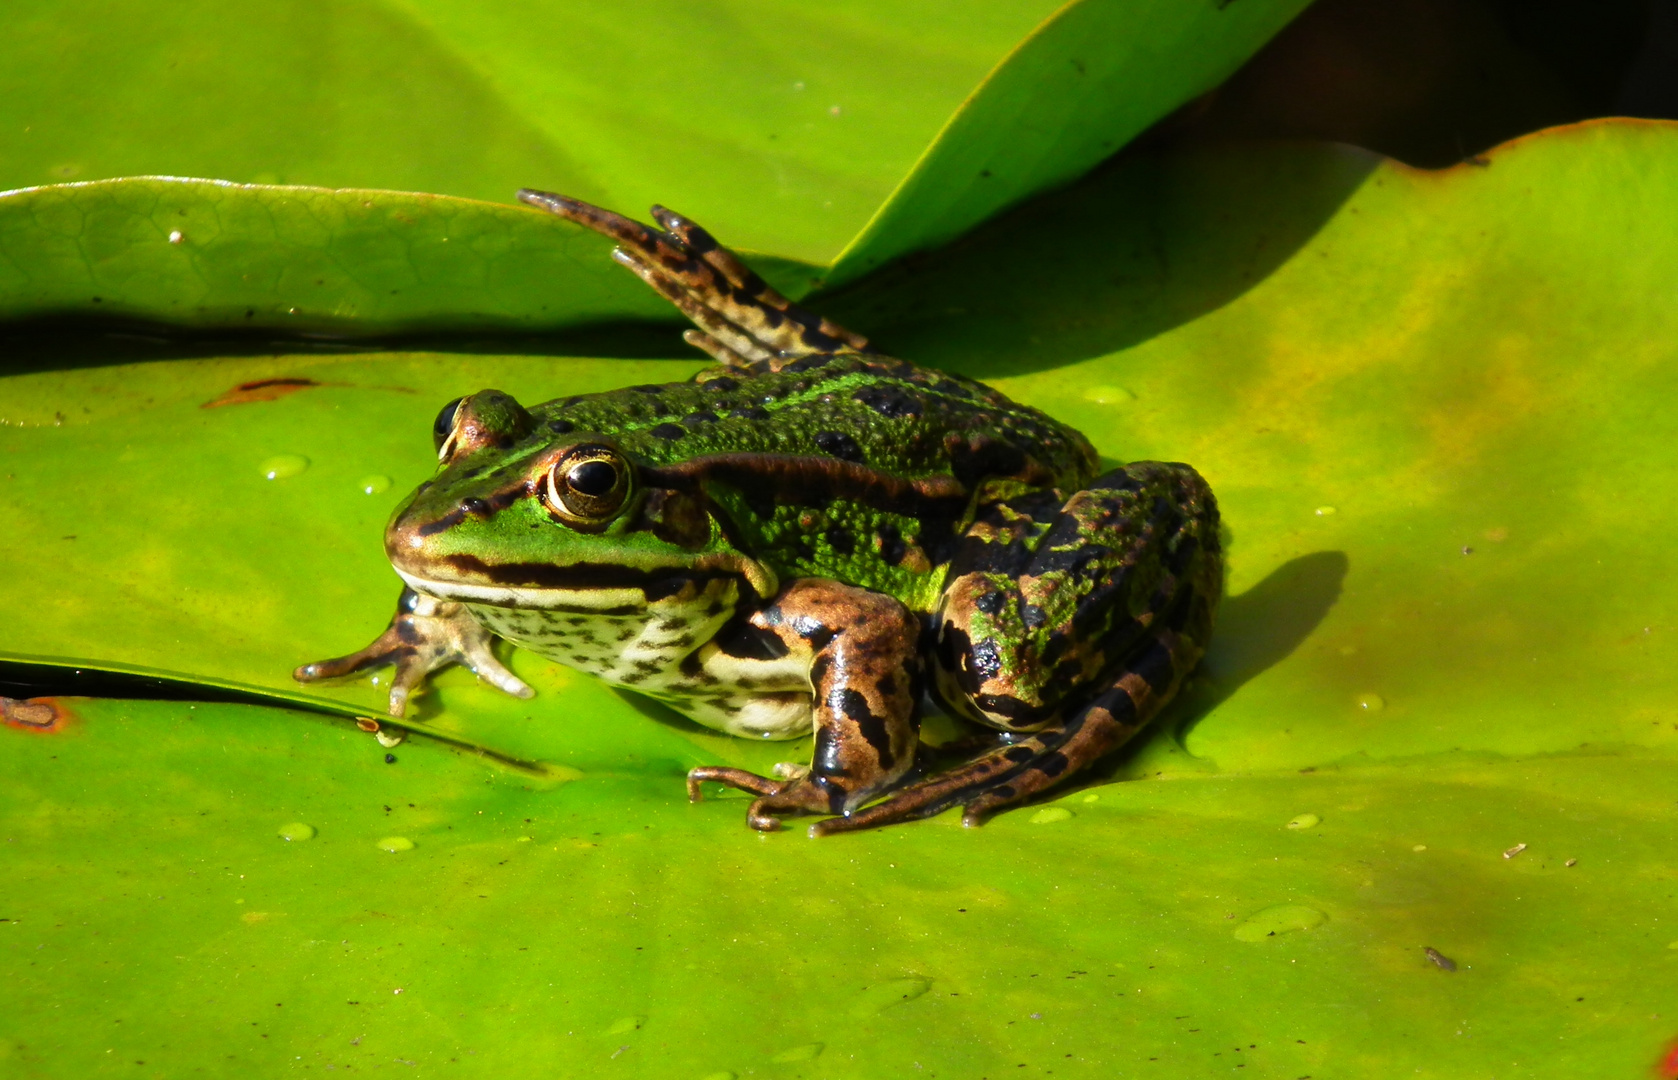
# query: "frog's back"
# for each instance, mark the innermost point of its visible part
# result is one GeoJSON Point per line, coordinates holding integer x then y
{"type": "Point", "coordinates": [852, 466]}
{"type": "Point", "coordinates": [865, 409]}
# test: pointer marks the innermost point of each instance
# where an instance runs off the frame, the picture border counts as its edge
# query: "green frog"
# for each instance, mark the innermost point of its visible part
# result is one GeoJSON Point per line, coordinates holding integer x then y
{"type": "Point", "coordinates": [808, 537]}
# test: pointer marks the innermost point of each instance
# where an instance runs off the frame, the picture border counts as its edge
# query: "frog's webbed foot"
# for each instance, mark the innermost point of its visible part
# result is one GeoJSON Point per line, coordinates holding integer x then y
{"type": "Point", "coordinates": [424, 635]}
{"type": "Point", "coordinates": [1016, 771]}
{"type": "Point", "coordinates": [743, 322]}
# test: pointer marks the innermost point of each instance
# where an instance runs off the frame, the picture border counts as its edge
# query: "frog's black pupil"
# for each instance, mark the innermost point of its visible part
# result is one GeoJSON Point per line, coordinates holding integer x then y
{"type": "Point", "coordinates": [593, 478]}
{"type": "Point", "coordinates": [443, 427]}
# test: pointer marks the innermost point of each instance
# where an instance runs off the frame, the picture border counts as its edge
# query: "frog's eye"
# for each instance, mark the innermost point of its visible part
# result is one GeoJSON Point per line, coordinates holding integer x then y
{"type": "Point", "coordinates": [588, 485]}
{"type": "Point", "coordinates": [442, 428]}
{"type": "Point", "coordinates": [486, 419]}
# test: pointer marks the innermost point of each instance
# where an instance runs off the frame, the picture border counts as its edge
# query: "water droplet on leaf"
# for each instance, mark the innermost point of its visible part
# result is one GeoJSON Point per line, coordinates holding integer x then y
{"type": "Point", "coordinates": [1109, 395]}
{"type": "Point", "coordinates": [283, 466]}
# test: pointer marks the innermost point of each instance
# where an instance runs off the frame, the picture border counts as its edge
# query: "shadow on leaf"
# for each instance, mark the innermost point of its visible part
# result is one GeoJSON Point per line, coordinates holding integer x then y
{"type": "Point", "coordinates": [1148, 242]}
{"type": "Point", "coordinates": [1261, 628]}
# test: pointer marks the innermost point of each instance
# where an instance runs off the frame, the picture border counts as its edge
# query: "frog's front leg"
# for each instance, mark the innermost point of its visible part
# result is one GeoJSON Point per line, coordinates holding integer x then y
{"type": "Point", "coordinates": [424, 635]}
{"type": "Point", "coordinates": [864, 671]}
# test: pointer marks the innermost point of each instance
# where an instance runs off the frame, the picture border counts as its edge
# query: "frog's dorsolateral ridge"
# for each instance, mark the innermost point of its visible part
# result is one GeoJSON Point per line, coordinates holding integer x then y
{"type": "Point", "coordinates": [810, 536]}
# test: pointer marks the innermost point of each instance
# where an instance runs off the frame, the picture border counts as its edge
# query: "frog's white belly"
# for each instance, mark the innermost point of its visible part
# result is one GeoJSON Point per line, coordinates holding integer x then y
{"type": "Point", "coordinates": [645, 651]}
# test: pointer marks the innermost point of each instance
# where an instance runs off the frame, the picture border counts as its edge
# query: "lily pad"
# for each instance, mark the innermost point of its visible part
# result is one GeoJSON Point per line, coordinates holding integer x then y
{"type": "Point", "coordinates": [155, 924]}
{"type": "Point", "coordinates": [1441, 484]}
{"type": "Point", "coordinates": [304, 261]}
{"type": "Point", "coordinates": [724, 110]}
{"type": "Point", "coordinates": [1431, 404]}
{"type": "Point", "coordinates": [842, 123]}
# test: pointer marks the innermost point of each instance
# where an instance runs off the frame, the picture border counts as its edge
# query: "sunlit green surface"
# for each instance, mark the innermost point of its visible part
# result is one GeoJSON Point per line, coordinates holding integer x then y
{"type": "Point", "coordinates": [786, 128]}
{"type": "Point", "coordinates": [1433, 407]}
{"type": "Point", "coordinates": [157, 924]}
{"type": "Point", "coordinates": [1409, 369]}
{"type": "Point", "coordinates": [724, 108]}
{"type": "Point", "coordinates": [204, 254]}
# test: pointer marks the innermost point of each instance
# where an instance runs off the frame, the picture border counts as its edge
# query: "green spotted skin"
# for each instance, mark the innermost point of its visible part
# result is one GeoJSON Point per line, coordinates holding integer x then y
{"type": "Point", "coordinates": [770, 442]}
{"type": "Point", "coordinates": [810, 538]}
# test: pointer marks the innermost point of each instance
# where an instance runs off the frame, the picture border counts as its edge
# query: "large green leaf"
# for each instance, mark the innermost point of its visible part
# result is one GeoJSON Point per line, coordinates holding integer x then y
{"type": "Point", "coordinates": [1431, 404]}
{"type": "Point", "coordinates": [1398, 360]}
{"type": "Point", "coordinates": [206, 254]}
{"type": "Point", "coordinates": [724, 109]}
{"type": "Point", "coordinates": [156, 923]}
{"type": "Point", "coordinates": [1084, 84]}
{"type": "Point", "coordinates": [791, 150]}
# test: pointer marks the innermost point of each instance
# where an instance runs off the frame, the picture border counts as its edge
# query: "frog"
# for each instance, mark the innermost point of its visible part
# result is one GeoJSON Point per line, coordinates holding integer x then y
{"type": "Point", "coordinates": [810, 539]}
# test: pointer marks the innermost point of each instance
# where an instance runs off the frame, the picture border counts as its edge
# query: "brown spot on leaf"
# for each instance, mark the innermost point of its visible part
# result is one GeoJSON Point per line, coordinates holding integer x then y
{"type": "Point", "coordinates": [248, 393]}
{"type": "Point", "coordinates": [42, 715]}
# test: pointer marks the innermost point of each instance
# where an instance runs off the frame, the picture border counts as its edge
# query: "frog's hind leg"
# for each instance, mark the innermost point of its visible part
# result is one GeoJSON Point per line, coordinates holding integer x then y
{"type": "Point", "coordinates": [1070, 625]}
{"type": "Point", "coordinates": [1015, 772]}
{"type": "Point", "coordinates": [742, 320]}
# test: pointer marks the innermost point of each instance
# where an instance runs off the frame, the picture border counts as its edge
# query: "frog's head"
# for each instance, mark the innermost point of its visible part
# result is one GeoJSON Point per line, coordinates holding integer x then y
{"type": "Point", "coordinates": [522, 516]}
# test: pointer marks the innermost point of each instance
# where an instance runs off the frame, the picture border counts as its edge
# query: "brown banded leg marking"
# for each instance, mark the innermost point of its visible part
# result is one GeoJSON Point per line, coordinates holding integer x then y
{"type": "Point", "coordinates": [864, 678]}
{"type": "Point", "coordinates": [424, 635]}
{"type": "Point", "coordinates": [1012, 774]}
{"type": "Point", "coordinates": [1146, 583]}
{"type": "Point", "coordinates": [742, 319]}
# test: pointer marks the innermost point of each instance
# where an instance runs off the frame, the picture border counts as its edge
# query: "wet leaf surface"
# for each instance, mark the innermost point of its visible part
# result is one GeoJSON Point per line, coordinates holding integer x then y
{"type": "Point", "coordinates": [1433, 407]}
{"type": "Point", "coordinates": [450, 915]}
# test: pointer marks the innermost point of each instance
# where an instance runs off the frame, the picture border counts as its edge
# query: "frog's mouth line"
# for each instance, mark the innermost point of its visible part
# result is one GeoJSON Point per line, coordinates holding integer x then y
{"type": "Point", "coordinates": [620, 601]}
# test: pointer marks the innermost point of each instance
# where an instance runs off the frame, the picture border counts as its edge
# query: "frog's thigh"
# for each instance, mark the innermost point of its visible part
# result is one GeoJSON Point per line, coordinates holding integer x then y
{"type": "Point", "coordinates": [863, 669]}
{"type": "Point", "coordinates": [1161, 599]}
{"type": "Point", "coordinates": [1044, 601]}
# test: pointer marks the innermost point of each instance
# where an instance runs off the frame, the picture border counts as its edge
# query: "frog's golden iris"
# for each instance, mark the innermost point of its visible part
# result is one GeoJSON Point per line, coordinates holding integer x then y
{"type": "Point", "coordinates": [587, 486]}
{"type": "Point", "coordinates": [809, 537]}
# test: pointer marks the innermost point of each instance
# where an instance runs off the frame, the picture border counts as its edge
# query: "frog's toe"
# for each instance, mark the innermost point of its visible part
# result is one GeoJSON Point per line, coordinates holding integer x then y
{"type": "Point", "coordinates": [477, 656]}
{"type": "Point", "coordinates": [775, 798]}
{"type": "Point", "coordinates": [425, 634]}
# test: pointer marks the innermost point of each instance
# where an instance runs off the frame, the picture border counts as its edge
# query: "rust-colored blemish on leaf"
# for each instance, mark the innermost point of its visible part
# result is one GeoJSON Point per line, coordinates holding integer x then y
{"type": "Point", "coordinates": [1667, 1067]}
{"type": "Point", "coordinates": [248, 393]}
{"type": "Point", "coordinates": [42, 715]}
